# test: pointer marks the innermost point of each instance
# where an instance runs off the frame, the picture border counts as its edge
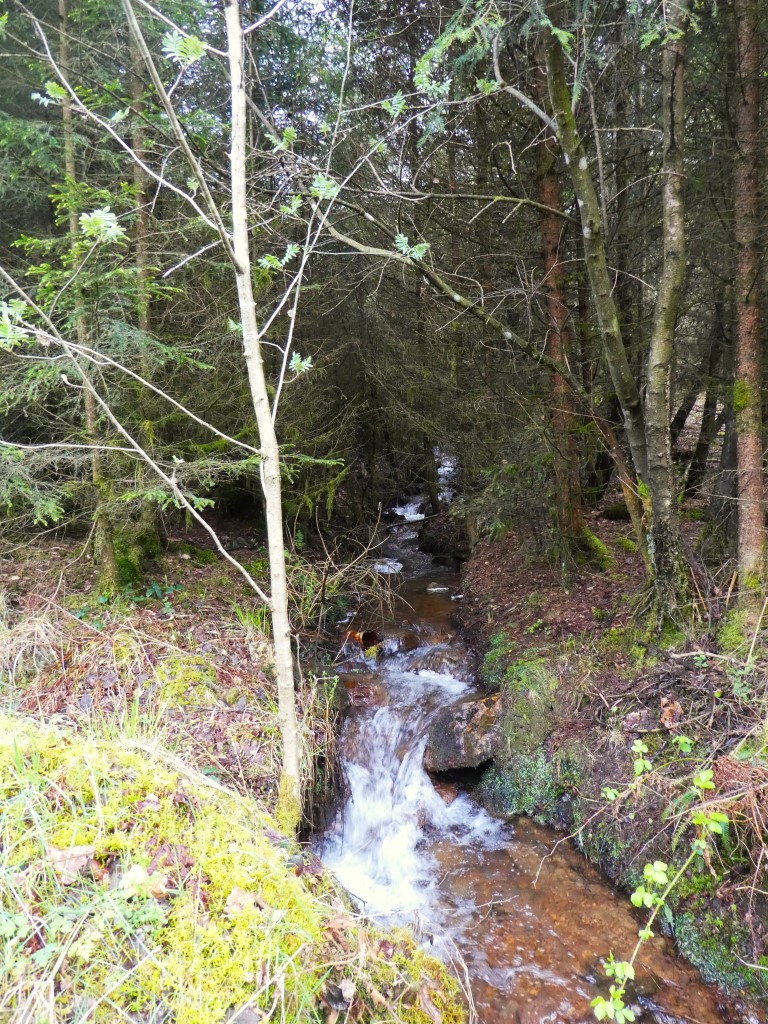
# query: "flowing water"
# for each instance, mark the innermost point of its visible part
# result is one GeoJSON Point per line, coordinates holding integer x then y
{"type": "Point", "coordinates": [530, 919]}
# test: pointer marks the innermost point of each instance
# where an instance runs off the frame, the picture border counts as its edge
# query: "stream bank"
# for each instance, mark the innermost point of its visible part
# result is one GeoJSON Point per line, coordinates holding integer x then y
{"type": "Point", "coordinates": [524, 919]}
{"type": "Point", "coordinates": [577, 685]}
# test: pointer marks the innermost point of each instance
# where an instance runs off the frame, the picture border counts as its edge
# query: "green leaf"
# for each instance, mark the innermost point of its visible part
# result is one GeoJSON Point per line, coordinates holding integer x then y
{"type": "Point", "coordinates": [185, 50]}
{"type": "Point", "coordinates": [270, 262]}
{"type": "Point", "coordinates": [656, 873]}
{"type": "Point", "coordinates": [292, 207]}
{"type": "Point", "coordinates": [683, 743]}
{"type": "Point", "coordinates": [486, 87]}
{"type": "Point", "coordinates": [395, 106]}
{"type": "Point", "coordinates": [704, 778]}
{"type": "Point", "coordinates": [323, 187]}
{"type": "Point", "coordinates": [101, 226]}
{"type": "Point", "coordinates": [300, 365]}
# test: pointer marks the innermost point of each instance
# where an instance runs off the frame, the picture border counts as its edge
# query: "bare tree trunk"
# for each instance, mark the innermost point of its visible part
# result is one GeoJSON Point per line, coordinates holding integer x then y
{"type": "Point", "coordinates": [289, 806]}
{"type": "Point", "coordinates": [570, 508]}
{"type": "Point", "coordinates": [747, 355]}
{"type": "Point", "coordinates": [103, 540]}
{"type": "Point", "coordinates": [149, 524]}
{"type": "Point", "coordinates": [594, 254]}
{"type": "Point", "coordinates": [670, 570]}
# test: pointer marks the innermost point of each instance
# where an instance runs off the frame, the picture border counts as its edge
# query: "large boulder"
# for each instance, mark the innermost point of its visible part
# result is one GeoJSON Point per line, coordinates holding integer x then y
{"type": "Point", "coordinates": [463, 735]}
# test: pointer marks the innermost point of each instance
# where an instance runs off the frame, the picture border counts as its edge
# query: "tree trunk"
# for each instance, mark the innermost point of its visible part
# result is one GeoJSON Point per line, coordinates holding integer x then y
{"type": "Point", "coordinates": [594, 254]}
{"type": "Point", "coordinates": [670, 571]}
{"type": "Point", "coordinates": [289, 806]}
{"type": "Point", "coordinates": [103, 539]}
{"type": "Point", "coordinates": [747, 355]}
{"type": "Point", "coordinates": [570, 509]}
{"type": "Point", "coordinates": [148, 538]}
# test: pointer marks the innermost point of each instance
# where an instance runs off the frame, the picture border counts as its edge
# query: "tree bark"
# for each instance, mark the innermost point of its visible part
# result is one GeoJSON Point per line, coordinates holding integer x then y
{"type": "Point", "coordinates": [289, 806]}
{"type": "Point", "coordinates": [594, 254]}
{"type": "Point", "coordinates": [103, 538]}
{"type": "Point", "coordinates": [670, 570]}
{"type": "Point", "coordinates": [747, 354]}
{"type": "Point", "coordinates": [570, 508]}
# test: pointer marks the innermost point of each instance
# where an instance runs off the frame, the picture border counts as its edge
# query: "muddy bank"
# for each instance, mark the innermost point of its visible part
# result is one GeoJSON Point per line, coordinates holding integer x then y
{"type": "Point", "coordinates": [604, 731]}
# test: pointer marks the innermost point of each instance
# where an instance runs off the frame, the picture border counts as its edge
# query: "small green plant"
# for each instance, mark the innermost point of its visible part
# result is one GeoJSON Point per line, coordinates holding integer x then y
{"type": "Point", "coordinates": [658, 882]}
{"type": "Point", "coordinates": [254, 620]}
{"type": "Point", "coordinates": [641, 764]}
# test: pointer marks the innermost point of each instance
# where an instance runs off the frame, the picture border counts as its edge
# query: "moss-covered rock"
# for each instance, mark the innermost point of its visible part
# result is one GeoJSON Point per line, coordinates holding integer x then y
{"type": "Point", "coordinates": [528, 712]}
{"type": "Point", "coordinates": [526, 784]}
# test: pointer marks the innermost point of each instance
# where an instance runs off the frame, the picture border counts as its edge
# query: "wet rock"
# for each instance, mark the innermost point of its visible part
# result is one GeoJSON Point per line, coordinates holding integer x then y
{"type": "Point", "coordinates": [463, 735]}
{"type": "Point", "coordinates": [447, 791]}
{"type": "Point", "coordinates": [444, 659]}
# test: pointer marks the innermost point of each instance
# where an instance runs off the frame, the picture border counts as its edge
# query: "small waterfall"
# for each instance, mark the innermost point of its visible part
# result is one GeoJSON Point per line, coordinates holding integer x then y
{"type": "Point", "coordinates": [379, 847]}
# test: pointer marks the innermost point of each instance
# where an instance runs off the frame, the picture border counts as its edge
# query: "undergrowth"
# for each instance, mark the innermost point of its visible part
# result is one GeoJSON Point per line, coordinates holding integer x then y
{"type": "Point", "coordinates": [132, 886]}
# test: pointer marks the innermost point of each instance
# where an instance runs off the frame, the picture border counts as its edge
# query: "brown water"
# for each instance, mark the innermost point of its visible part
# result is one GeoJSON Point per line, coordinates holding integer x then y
{"type": "Point", "coordinates": [531, 920]}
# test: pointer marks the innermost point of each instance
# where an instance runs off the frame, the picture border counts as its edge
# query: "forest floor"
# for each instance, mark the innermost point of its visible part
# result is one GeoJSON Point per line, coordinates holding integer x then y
{"type": "Point", "coordinates": [141, 873]}
{"type": "Point", "coordinates": [588, 689]}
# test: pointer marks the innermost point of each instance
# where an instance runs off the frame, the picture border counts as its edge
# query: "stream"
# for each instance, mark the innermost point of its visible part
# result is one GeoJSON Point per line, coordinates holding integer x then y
{"type": "Point", "coordinates": [525, 920]}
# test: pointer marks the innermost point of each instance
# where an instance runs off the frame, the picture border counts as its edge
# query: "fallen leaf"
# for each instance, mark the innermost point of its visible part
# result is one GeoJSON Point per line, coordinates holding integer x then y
{"type": "Point", "coordinates": [239, 902]}
{"type": "Point", "coordinates": [375, 995]}
{"type": "Point", "coordinates": [151, 802]}
{"type": "Point", "coordinates": [138, 882]}
{"type": "Point", "coordinates": [68, 864]}
{"type": "Point", "coordinates": [671, 713]}
{"type": "Point", "coordinates": [336, 928]}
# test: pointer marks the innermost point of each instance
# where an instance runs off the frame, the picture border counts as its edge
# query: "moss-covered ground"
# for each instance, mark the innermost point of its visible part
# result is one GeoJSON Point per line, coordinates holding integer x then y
{"type": "Point", "coordinates": [133, 887]}
{"type": "Point", "coordinates": [142, 877]}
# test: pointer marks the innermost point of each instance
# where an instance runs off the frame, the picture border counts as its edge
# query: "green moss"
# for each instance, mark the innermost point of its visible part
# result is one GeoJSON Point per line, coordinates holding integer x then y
{"type": "Point", "coordinates": [732, 633]}
{"type": "Point", "coordinates": [670, 637]}
{"type": "Point", "coordinates": [128, 558]}
{"type": "Point", "coordinates": [711, 943]}
{"type": "Point", "coordinates": [598, 552]}
{"type": "Point", "coordinates": [186, 679]}
{"type": "Point", "coordinates": [627, 544]}
{"type": "Point", "coordinates": [501, 650]}
{"type": "Point", "coordinates": [527, 716]}
{"type": "Point", "coordinates": [200, 556]}
{"type": "Point", "coordinates": [742, 396]}
{"type": "Point", "coordinates": [526, 784]}
{"type": "Point", "coordinates": [184, 906]}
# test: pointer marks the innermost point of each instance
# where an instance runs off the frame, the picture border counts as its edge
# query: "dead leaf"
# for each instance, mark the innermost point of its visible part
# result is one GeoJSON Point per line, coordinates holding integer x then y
{"type": "Point", "coordinates": [671, 713]}
{"type": "Point", "coordinates": [151, 802]}
{"type": "Point", "coordinates": [69, 864]}
{"type": "Point", "coordinates": [375, 995]}
{"type": "Point", "coordinates": [429, 1007]}
{"type": "Point", "coordinates": [239, 902]}
{"type": "Point", "coordinates": [158, 885]}
{"type": "Point", "coordinates": [98, 872]}
{"type": "Point", "coordinates": [336, 928]}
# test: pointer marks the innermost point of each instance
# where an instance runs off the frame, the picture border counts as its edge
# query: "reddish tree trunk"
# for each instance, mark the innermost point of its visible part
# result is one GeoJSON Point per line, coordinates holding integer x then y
{"type": "Point", "coordinates": [747, 356]}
